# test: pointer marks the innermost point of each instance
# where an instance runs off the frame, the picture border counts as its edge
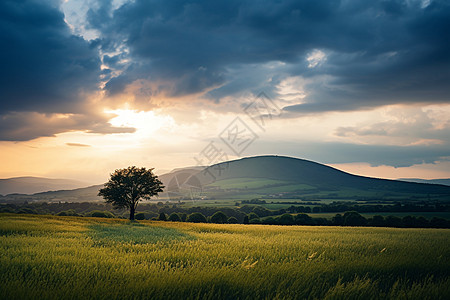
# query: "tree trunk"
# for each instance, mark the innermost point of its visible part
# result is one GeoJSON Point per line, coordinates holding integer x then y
{"type": "Point", "coordinates": [132, 209]}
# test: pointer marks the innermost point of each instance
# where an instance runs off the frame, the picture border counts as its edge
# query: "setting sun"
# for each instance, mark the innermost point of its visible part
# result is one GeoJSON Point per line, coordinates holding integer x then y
{"type": "Point", "coordinates": [145, 122]}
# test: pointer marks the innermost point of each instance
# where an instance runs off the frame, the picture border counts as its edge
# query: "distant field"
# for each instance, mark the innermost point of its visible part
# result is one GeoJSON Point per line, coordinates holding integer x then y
{"type": "Point", "coordinates": [245, 183]}
{"type": "Point", "coordinates": [47, 257]}
{"type": "Point", "coordinates": [427, 215]}
{"type": "Point", "coordinates": [230, 202]}
{"type": "Point", "coordinates": [210, 203]}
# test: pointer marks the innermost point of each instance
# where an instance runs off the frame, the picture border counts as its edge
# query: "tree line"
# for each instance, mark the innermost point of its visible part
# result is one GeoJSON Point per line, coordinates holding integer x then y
{"type": "Point", "coordinates": [225, 215]}
{"type": "Point", "coordinates": [372, 208]}
{"type": "Point", "coordinates": [351, 218]}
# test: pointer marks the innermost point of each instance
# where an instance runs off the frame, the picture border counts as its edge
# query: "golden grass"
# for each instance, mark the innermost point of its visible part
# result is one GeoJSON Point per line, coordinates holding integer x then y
{"type": "Point", "coordinates": [48, 257]}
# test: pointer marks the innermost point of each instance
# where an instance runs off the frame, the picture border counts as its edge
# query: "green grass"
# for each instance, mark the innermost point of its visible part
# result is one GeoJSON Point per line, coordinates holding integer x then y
{"type": "Point", "coordinates": [245, 183]}
{"type": "Point", "coordinates": [210, 203]}
{"type": "Point", "coordinates": [134, 233]}
{"type": "Point", "coordinates": [46, 257]}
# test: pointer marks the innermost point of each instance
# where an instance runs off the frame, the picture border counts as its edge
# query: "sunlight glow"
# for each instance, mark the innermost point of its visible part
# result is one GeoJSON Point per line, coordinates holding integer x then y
{"type": "Point", "coordinates": [145, 122]}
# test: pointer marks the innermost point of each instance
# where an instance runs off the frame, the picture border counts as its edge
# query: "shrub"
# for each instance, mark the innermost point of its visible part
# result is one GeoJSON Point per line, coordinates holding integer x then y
{"type": "Point", "coordinates": [377, 221]}
{"type": "Point", "coordinates": [255, 221]}
{"type": "Point", "coordinates": [337, 220]}
{"type": "Point", "coordinates": [422, 222]}
{"type": "Point", "coordinates": [269, 221]}
{"type": "Point", "coordinates": [252, 215]}
{"type": "Point", "coordinates": [246, 208]}
{"type": "Point", "coordinates": [174, 217]}
{"type": "Point", "coordinates": [303, 219]}
{"type": "Point", "coordinates": [196, 218]}
{"type": "Point", "coordinates": [393, 221]}
{"type": "Point", "coordinates": [69, 212]}
{"type": "Point", "coordinates": [232, 220]}
{"type": "Point", "coordinates": [26, 210]}
{"type": "Point", "coordinates": [162, 217]}
{"type": "Point", "coordinates": [286, 219]}
{"type": "Point", "coordinates": [352, 218]}
{"type": "Point", "coordinates": [100, 214]}
{"type": "Point", "coordinates": [183, 217]}
{"type": "Point", "coordinates": [262, 211]}
{"type": "Point", "coordinates": [72, 212]}
{"type": "Point", "coordinates": [439, 223]}
{"type": "Point", "coordinates": [317, 209]}
{"type": "Point", "coordinates": [254, 201]}
{"type": "Point", "coordinates": [321, 221]}
{"type": "Point", "coordinates": [140, 216]}
{"type": "Point", "coordinates": [409, 221]}
{"type": "Point", "coordinates": [219, 217]}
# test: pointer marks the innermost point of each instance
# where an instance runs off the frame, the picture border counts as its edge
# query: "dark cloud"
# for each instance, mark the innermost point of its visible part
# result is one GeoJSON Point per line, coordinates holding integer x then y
{"type": "Point", "coordinates": [377, 52]}
{"type": "Point", "coordinates": [408, 62]}
{"type": "Point", "coordinates": [24, 126]}
{"type": "Point", "coordinates": [44, 68]}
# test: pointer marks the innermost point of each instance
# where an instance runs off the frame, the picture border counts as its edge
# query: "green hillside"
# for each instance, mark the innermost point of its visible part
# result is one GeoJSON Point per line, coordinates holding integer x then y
{"type": "Point", "coordinates": [287, 177]}
{"type": "Point", "coordinates": [273, 177]}
{"type": "Point", "coordinates": [307, 172]}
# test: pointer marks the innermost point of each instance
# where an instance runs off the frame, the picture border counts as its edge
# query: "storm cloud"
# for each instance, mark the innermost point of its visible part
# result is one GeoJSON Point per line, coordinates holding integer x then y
{"type": "Point", "coordinates": [311, 57]}
{"type": "Point", "coordinates": [373, 53]}
{"type": "Point", "coordinates": [46, 75]}
{"type": "Point", "coordinates": [44, 67]}
{"type": "Point", "coordinates": [24, 126]}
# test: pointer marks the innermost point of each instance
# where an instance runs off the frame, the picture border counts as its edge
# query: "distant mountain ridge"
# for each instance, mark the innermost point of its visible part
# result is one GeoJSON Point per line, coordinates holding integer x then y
{"type": "Point", "coordinates": [32, 185]}
{"type": "Point", "coordinates": [443, 181]}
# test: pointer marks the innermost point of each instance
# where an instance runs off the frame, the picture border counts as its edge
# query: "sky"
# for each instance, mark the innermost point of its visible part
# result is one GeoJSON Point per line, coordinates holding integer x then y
{"type": "Point", "coordinates": [90, 86]}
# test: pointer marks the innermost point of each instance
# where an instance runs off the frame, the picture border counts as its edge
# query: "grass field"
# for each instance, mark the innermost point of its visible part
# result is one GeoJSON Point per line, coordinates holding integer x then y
{"type": "Point", "coordinates": [47, 257]}
{"type": "Point", "coordinates": [245, 183]}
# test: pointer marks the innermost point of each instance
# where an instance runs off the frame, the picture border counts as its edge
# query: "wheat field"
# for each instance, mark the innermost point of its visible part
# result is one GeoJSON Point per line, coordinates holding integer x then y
{"type": "Point", "coordinates": [49, 257]}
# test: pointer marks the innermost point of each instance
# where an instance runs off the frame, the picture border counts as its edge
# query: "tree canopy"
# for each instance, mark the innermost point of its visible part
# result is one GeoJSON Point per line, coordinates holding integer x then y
{"type": "Point", "coordinates": [196, 218]}
{"type": "Point", "coordinates": [219, 217]}
{"type": "Point", "coordinates": [127, 187]}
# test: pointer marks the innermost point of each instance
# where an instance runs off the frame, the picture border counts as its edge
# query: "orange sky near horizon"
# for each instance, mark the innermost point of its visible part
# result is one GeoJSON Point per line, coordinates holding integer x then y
{"type": "Point", "coordinates": [91, 86]}
{"type": "Point", "coordinates": [162, 142]}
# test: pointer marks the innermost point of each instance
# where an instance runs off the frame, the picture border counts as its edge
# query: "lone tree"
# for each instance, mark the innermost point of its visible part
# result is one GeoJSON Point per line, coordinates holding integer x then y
{"type": "Point", "coordinates": [127, 187]}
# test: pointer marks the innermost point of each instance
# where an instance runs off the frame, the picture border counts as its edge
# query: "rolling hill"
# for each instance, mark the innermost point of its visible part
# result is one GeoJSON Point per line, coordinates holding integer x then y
{"type": "Point", "coordinates": [276, 177]}
{"type": "Point", "coordinates": [443, 181]}
{"type": "Point", "coordinates": [31, 185]}
{"type": "Point", "coordinates": [287, 177]}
